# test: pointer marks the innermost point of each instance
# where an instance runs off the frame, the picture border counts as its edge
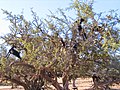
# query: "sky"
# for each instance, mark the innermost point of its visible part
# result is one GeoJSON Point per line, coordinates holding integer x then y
{"type": "Point", "coordinates": [42, 8]}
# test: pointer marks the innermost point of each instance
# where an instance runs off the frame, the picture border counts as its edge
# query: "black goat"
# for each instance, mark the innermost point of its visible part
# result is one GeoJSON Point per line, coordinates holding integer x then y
{"type": "Point", "coordinates": [14, 52]}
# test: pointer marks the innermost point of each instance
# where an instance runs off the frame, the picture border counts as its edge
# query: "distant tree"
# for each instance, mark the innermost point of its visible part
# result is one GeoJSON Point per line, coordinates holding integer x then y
{"type": "Point", "coordinates": [62, 46]}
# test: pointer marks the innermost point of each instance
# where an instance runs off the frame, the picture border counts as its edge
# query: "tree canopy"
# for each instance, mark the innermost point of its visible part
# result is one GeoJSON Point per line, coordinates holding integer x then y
{"type": "Point", "coordinates": [62, 45]}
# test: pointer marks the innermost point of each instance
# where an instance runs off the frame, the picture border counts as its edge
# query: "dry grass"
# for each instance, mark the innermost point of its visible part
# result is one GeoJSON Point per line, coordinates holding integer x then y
{"type": "Point", "coordinates": [82, 84]}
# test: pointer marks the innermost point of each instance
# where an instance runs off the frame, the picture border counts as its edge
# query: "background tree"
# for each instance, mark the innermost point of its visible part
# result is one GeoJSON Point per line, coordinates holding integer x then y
{"type": "Point", "coordinates": [63, 45]}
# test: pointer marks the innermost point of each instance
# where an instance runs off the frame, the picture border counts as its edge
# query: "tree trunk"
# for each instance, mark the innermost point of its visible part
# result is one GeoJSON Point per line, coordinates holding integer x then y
{"type": "Point", "coordinates": [65, 82]}
{"type": "Point", "coordinates": [52, 80]}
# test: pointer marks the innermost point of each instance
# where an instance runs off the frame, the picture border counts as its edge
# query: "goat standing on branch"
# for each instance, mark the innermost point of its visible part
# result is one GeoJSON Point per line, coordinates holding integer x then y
{"type": "Point", "coordinates": [14, 52]}
{"type": "Point", "coordinates": [80, 29]}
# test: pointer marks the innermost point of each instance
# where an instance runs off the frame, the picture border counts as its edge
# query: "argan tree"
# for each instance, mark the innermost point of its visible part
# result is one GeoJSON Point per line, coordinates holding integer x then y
{"type": "Point", "coordinates": [62, 46]}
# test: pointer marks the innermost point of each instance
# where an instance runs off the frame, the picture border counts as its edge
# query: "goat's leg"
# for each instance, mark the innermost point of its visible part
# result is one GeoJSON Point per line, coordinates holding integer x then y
{"type": "Point", "coordinates": [74, 86]}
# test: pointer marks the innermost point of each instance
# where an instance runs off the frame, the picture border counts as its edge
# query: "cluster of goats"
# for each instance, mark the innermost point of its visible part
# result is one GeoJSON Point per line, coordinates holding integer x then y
{"type": "Point", "coordinates": [51, 77]}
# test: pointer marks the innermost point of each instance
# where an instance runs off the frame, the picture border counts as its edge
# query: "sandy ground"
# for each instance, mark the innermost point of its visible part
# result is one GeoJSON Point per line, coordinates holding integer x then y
{"type": "Point", "coordinates": [82, 84]}
{"type": "Point", "coordinates": [9, 88]}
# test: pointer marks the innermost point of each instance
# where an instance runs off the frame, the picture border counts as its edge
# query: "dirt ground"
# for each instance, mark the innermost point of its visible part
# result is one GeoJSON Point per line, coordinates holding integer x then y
{"type": "Point", "coordinates": [82, 84]}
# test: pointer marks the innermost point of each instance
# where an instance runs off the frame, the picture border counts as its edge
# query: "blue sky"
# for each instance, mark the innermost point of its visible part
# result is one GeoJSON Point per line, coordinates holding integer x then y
{"type": "Point", "coordinates": [42, 8]}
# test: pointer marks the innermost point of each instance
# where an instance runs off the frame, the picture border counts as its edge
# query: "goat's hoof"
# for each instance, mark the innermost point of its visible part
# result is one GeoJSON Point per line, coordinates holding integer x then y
{"type": "Point", "coordinates": [75, 88]}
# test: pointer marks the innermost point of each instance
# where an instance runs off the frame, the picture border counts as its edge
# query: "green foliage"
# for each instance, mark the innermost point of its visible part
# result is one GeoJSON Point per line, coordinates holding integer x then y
{"type": "Point", "coordinates": [49, 45]}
